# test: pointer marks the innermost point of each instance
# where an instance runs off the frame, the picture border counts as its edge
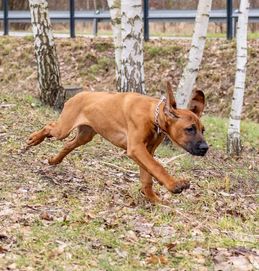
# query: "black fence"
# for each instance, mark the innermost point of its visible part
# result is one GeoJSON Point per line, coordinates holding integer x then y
{"type": "Point", "coordinates": [228, 16]}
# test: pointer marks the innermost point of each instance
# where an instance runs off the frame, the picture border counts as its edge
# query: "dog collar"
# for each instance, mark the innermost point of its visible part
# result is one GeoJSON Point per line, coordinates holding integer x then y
{"type": "Point", "coordinates": [162, 100]}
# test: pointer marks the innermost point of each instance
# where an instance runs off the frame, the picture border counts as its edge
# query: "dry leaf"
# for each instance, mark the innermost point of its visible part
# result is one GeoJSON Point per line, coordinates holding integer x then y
{"type": "Point", "coordinates": [121, 253]}
{"type": "Point", "coordinates": [46, 216]}
{"type": "Point", "coordinates": [3, 250]}
{"type": "Point", "coordinates": [154, 259]}
{"type": "Point", "coordinates": [131, 236]}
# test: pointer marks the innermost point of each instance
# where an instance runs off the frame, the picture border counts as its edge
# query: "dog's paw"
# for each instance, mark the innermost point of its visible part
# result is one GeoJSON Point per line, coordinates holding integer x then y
{"type": "Point", "coordinates": [180, 186]}
{"type": "Point", "coordinates": [53, 161]}
{"type": "Point", "coordinates": [34, 140]}
{"type": "Point", "coordinates": [151, 196]}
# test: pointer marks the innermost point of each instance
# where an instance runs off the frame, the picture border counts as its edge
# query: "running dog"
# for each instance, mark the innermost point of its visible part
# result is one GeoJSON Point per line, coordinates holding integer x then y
{"type": "Point", "coordinates": [135, 123]}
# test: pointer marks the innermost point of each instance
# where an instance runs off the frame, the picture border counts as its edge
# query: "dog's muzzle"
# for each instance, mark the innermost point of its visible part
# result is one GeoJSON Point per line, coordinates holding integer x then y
{"type": "Point", "coordinates": [199, 149]}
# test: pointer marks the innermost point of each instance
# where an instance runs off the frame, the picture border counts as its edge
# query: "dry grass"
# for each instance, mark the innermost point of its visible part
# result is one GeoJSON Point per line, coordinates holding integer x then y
{"type": "Point", "coordinates": [85, 214]}
{"type": "Point", "coordinates": [90, 63]}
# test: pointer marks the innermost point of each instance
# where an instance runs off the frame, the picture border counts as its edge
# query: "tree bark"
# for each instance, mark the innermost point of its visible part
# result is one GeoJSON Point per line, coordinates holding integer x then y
{"type": "Point", "coordinates": [132, 60]}
{"type": "Point", "coordinates": [234, 142]}
{"type": "Point", "coordinates": [115, 11]}
{"type": "Point", "coordinates": [51, 91]}
{"type": "Point", "coordinates": [185, 87]}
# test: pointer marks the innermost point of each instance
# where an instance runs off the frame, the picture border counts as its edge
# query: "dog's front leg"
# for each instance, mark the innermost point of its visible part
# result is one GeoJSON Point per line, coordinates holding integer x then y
{"type": "Point", "coordinates": [143, 158]}
{"type": "Point", "coordinates": [147, 183]}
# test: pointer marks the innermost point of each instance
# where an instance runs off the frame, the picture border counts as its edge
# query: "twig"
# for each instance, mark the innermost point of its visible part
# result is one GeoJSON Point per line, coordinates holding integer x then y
{"type": "Point", "coordinates": [117, 167]}
{"type": "Point", "coordinates": [192, 219]}
{"type": "Point", "coordinates": [31, 207]}
{"type": "Point", "coordinates": [184, 216]}
{"type": "Point", "coordinates": [202, 223]}
{"type": "Point", "coordinates": [248, 195]}
{"type": "Point", "coordinates": [136, 172]}
{"type": "Point", "coordinates": [256, 236]}
{"type": "Point", "coordinates": [171, 159]}
{"type": "Point", "coordinates": [7, 105]}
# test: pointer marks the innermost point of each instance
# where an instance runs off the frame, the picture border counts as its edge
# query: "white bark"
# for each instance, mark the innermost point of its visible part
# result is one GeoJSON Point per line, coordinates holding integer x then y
{"type": "Point", "coordinates": [234, 144]}
{"type": "Point", "coordinates": [115, 11]}
{"type": "Point", "coordinates": [51, 90]}
{"type": "Point", "coordinates": [184, 91]}
{"type": "Point", "coordinates": [132, 60]}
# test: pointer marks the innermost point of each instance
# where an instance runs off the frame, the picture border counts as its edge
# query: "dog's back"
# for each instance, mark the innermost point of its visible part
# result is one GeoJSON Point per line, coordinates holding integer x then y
{"type": "Point", "coordinates": [108, 113]}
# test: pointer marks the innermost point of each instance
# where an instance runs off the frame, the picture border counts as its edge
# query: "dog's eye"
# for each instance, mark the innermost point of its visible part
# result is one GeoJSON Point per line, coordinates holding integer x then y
{"type": "Point", "coordinates": [191, 130]}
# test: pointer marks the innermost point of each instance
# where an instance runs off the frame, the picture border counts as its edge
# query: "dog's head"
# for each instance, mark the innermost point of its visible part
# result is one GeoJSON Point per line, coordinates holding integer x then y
{"type": "Point", "coordinates": [183, 126]}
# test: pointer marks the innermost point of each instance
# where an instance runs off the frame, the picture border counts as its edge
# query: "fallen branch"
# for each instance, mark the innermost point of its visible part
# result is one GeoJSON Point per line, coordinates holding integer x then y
{"type": "Point", "coordinates": [136, 172]}
{"type": "Point", "coordinates": [118, 167]}
{"type": "Point", "coordinates": [171, 159]}
{"type": "Point", "coordinates": [7, 105]}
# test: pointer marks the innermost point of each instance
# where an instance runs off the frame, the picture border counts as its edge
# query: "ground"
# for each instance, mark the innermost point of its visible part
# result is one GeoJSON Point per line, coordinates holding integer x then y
{"type": "Point", "coordinates": [88, 213]}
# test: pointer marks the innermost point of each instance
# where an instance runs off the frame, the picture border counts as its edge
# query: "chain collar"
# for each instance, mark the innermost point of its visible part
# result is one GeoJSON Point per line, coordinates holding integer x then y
{"type": "Point", "coordinates": [162, 100]}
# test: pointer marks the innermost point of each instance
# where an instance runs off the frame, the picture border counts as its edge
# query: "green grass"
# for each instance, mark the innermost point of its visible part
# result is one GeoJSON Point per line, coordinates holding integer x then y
{"type": "Point", "coordinates": [101, 32]}
{"type": "Point", "coordinates": [253, 35]}
{"type": "Point", "coordinates": [96, 66]}
{"type": "Point", "coordinates": [210, 35]}
{"type": "Point", "coordinates": [152, 51]}
{"type": "Point", "coordinates": [216, 132]}
{"type": "Point", "coordinates": [100, 220]}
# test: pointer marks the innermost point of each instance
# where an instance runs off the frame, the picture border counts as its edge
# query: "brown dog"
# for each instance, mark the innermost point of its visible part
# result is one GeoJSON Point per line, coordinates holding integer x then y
{"type": "Point", "coordinates": [135, 123]}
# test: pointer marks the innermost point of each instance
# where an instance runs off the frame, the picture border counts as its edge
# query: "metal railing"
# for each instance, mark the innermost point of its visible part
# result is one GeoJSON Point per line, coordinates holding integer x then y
{"type": "Point", "coordinates": [222, 15]}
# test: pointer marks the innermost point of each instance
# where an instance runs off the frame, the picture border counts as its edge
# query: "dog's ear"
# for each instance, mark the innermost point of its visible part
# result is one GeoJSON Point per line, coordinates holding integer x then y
{"type": "Point", "coordinates": [197, 103]}
{"type": "Point", "coordinates": [170, 100]}
{"type": "Point", "coordinates": [170, 105]}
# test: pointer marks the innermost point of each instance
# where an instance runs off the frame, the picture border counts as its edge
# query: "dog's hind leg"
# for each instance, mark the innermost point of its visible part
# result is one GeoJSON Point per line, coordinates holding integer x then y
{"type": "Point", "coordinates": [60, 129]}
{"type": "Point", "coordinates": [84, 135]}
{"type": "Point", "coordinates": [37, 137]}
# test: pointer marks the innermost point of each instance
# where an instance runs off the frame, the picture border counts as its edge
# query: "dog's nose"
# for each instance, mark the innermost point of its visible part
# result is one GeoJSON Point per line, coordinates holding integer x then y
{"type": "Point", "coordinates": [203, 147]}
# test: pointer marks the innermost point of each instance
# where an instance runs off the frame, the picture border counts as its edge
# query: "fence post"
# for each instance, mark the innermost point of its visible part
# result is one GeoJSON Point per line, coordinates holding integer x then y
{"type": "Point", "coordinates": [95, 26]}
{"type": "Point", "coordinates": [146, 21]}
{"type": "Point", "coordinates": [6, 24]}
{"type": "Point", "coordinates": [229, 19]}
{"type": "Point", "coordinates": [72, 18]}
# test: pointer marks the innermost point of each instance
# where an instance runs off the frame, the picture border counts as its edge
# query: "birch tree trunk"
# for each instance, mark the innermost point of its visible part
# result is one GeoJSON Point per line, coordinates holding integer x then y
{"type": "Point", "coordinates": [115, 11]}
{"type": "Point", "coordinates": [184, 91]}
{"type": "Point", "coordinates": [51, 91]}
{"type": "Point", "coordinates": [234, 142]}
{"type": "Point", "coordinates": [132, 60]}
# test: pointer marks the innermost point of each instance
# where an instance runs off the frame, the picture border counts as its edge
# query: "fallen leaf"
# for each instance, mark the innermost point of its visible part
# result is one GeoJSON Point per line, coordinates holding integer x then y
{"type": "Point", "coordinates": [11, 266]}
{"type": "Point", "coordinates": [89, 216]}
{"type": "Point", "coordinates": [154, 259]}
{"type": "Point", "coordinates": [46, 216]}
{"type": "Point", "coordinates": [121, 253]}
{"type": "Point", "coordinates": [171, 247]}
{"type": "Point", "coordinates": [131, 236]}
{"type": "Point", "coordinates": [3, 250]}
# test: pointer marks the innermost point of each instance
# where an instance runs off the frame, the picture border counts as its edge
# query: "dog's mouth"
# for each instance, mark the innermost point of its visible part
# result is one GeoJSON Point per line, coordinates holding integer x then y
{"type": "Point", "coordinates": [199, 148]}
{"type": "Point", "coordinates": [197, 152]}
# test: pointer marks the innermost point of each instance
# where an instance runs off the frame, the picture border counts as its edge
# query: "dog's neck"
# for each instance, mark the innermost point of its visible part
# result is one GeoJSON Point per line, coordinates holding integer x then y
{"type": "Point", "coordinates": [158, 120]}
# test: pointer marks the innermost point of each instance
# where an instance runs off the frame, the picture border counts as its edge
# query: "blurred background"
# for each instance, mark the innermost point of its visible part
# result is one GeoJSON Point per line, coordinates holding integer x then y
{"type": "Point", "coordinates": [156, 28]}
